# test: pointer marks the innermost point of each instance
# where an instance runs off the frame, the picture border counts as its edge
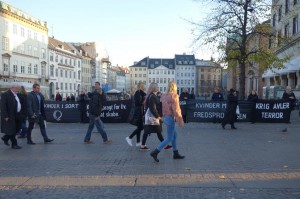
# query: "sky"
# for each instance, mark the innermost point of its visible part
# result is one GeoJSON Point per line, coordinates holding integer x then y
{"type": "Point", "coordinates": [127, 30]}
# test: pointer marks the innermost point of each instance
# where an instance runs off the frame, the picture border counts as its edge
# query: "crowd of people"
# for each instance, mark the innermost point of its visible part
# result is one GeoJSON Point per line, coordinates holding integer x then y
{"type": "Point", "coordinates": [151, 109]}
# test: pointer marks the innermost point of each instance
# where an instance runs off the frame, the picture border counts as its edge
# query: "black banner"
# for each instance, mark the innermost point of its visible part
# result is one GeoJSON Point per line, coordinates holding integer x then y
{"type": "Point", "coordinates": [68, 112]}
{"type": "Point", "coordinates": [272, 111]}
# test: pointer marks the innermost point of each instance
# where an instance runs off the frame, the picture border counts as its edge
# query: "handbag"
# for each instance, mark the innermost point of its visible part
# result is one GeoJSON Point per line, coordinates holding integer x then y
{"type": "Point", "coordinates": [237, 110]}
{"type": "Point", "coordinates": [150, 119]}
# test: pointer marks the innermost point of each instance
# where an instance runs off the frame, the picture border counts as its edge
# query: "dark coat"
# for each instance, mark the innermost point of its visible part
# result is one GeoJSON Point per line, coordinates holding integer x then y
{"type": "Point", "coordinates": [252, 98]}
{"type": "Point", "coordinates": [9, 110]}
{"type": "Point", "coordinates": [82, 99]}
{"type": "Point", "coordinates": [96, 103]}
{"type": "Point", "coordinates": [230, 114]}
{"type": "Point", "coordinates": [23, 101]}
{"type": "Point", "coordinates": [155, 106]}
{"type": "Point", "coordinates": [217, 97]}
{"type": "Point", "coordinates": [33, 105]}
{"type": "Point", "coordinates": [139, 97]}
{"type": "Point", "coordinates": [184, 96]}
{"type": "Point", "coordinates": [286, 96]}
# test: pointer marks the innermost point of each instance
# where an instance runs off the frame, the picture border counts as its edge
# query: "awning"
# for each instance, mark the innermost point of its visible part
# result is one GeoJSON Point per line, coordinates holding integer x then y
{"type": "Point", "coordinates": [291, 66]}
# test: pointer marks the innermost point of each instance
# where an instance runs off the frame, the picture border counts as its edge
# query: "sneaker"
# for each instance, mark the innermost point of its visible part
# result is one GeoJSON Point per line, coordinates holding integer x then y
{"type": "Point", "coordinates": [88, 142]}
{"type": "Point", "coordinates": [108, 142]}
{"type": "Point", "coordinates": [129, 141]}
{"type": "Point", "coordinates": [144, 148]}
{"type": "Point", "coordinates": [138, 144]}
{"type": "Point", "coordinates": [168, 147]}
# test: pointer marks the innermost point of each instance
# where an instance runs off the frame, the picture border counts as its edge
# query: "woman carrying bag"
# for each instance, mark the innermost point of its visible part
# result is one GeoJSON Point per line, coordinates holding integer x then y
{"type": "Point", "coordinates": [153, 115]}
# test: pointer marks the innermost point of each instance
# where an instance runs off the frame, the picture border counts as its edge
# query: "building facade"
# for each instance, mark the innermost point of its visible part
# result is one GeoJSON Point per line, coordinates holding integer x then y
{"type": "Point", "coordinates": [65, 69]}
{"type": "Point", "coordinates": [285, 25]}
{"type": "Point", "coordinates": [24, 47]}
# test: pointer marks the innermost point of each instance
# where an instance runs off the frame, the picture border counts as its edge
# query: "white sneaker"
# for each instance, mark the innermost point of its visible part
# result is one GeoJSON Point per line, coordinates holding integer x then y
{"type": "Point", "coordinates": [129, 141]}
{"type": "Point", "coordinates": [138, 144]}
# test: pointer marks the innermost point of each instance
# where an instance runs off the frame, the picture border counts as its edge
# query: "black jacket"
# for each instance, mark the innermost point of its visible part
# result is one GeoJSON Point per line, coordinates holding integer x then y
{"type": "Point", "coordinates": [252, 98]}
{"type": "Point", "coordinates": [33, 105]}
{"type": "Point", "coordinates": [96, 103]}
{"type": "Point", "coordinates": [154, 105]}
{"type": "Point", "coordinates": [217, 97]}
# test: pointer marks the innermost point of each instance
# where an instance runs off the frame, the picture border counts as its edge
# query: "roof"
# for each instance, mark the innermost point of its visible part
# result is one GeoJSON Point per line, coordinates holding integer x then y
{"type": "Point", "coordinates": [152, 63]}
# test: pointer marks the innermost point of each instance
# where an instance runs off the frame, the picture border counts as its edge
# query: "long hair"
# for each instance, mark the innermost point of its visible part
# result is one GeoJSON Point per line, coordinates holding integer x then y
{"type": "Point", "coordinates": [139, 85]}
{"type": "Point", "coordinates": [23, 91]}
{"type": "Point", "coordinates": [152, 88]}
{"type": "Point", "coordinates": [172, 87]}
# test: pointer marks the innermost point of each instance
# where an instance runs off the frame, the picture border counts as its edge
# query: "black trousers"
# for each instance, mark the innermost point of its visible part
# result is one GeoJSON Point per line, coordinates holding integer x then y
{"type": "Point", "coordinates": [152, 129]}
{"type": "Point", "coordinates": [12, 138]}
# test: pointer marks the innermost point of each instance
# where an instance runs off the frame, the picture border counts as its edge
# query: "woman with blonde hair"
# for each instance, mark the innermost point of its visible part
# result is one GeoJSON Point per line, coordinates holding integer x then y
{"type": "Point", "coordinates": [139, 98]}
{"type": "Point", "coordinates": [153, 103]}
{"type": "Point", "coordinates": [171, 112]}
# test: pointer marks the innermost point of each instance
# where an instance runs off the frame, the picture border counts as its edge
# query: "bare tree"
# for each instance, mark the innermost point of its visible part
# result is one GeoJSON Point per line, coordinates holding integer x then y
{"type": "Point", "coordinates": [228, 29]}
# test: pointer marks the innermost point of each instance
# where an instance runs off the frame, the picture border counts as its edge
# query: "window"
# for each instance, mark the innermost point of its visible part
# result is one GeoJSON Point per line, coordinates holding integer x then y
{"type": "Point", "coordinates": [70, 86]}
{"type": "Point", "coordinates": [66, 86]}
{"type": "Point", "coordinates": [43, 67]}
{"type": "Point", "coordinates": [274, 19]}
{"type": "Point", "coordinates": [22, 32]}
{"type": "Point", "coordinates": [66, 61]}
{"type": "Point", "coordinates": [295, 2]}
{"type": "Point", "coordinates": [78, 64]}
{"type": "Point", "coordinates": [5, 43]}
{"type": "Point", "coordinates": [286, 30]}
{"type": "Point", "coordinates": [61, 72]}
{"type": "Point", "coordinates": [29, 68]}
{"type": "Point", "coordinates": [56, 58]}
{"type": "Point", "coordinates": [56, 85]}
{"type": "Point", "coordinates": [287, 6]}
{"type": "Point", "coordinates": [43, 53]}
{"type": "Point", "coordinates": [66, 73]}
{"type": "Point", "coordinates": [295, 25]}
{"type": "Point", "coordinates": [29, 34]}
{"type": "Point", "coordinates": [51, 70]}
{"type": "Point", "coordinates": [15, 29]}
{"type": "Point", "coordinates": [23, 67]}
{"type": "Point", "coordinates": [56, 72]}
{"type": "Point", "coordinates": [35, 69]}
{"type": "Point", "coordinates": [15, 66]}
{"type": "Point", "coordinates": [79, 75]}
{"type": "Point", "coordinates": [29, 51]}
{"type": "Point", "coordinates": [279, 13]}
{"type": "Point", "coordinates": [61, 86]}
{"type": "Point", "coordinates": [51, 56]}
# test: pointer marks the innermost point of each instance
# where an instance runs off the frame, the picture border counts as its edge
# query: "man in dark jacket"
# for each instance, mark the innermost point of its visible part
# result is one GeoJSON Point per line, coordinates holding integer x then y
{"type": "Point", "coordinates": [36, 113]}
{"type": "Point", "coordinates": [95, 108]}
{"type": "Point", "coordinates": [82, 100]}
{"type": "Point", "coordinates": [11, 115]}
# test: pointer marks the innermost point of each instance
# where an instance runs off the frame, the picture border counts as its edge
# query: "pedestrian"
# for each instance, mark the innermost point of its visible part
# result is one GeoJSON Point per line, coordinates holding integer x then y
{"type": "Point", "coordinates": [95, 108]}
{"type": "Point", "coordinates": [230, 113]}
{"type": "Point", "coordinates": [153, 103]}
{"type": "Point", "coordinates": [192, 95]}
{"type": "Point", "coordinates": [184, 96]}
{"type": "Point", "coordinates": [171, 113]}
{"type": "Point", "coordinates": [23, 100]}
{"type": "Point", "coordinates": [36, 113]}
{"type": "Point", "coordinates": [290, 96]}
{"type": "Point", "coordinates": [217, 96]}
{"type": "Point", "coordinates": [72, 98]}
{"type": "Point", "coordinates": [58, 97]}
{"type": "Point", "coordinates": [252, 98]}
{"type": "Point", "coordinates": [11, 115]}
{"type": "Point", "coordinates": [139, 98]}
{"type": "Point", "coordinates": [68, 99]}
{"type": "Point", "coordinates": [82, 100]}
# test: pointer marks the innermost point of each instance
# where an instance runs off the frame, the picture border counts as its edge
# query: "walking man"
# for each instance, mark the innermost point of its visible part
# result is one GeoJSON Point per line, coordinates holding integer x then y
{"type": "Point", "coordinates": [95, 107]}
{"type": "Point", "coordinates": [36, 113]}
{"type": "Point", "coordinates": [11, 115]}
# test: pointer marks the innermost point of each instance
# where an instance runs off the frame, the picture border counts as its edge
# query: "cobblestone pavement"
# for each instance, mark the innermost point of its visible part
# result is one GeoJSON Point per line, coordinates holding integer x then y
{"type": "Point", "coordinates": [255, 161]}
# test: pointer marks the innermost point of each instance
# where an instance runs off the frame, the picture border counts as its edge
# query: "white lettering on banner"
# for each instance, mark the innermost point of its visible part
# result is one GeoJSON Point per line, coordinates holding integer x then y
{"type": "Point", "coordinates": [285, 105]}
{"type": "Point", "coordinates": [70, 106]}
{"type": "Point", "coordinates": [208, 105]}
{"type": "Point", "coordinates": [278, 115]}
{"type": "Point", "coordinates": [54, 106]}
{"type": "Point", "coordinates": [242, 116]}
{"type": "Point", "coordinates": [208, 115]}
{"type": "Point", "coordinates": [114, 107]}
{"type": "Point", "coordinates": [262, 106]}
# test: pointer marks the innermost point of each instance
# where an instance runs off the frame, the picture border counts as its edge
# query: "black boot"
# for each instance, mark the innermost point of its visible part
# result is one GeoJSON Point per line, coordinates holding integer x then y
{"type": "Point", "coordinates": [176, 155]}
{"type": "Point", "coordinates": [29, 140]}
{"type": "Point", "coordinates": [154, 155]}
{"type": "Point", "coordinates": [232, 126]}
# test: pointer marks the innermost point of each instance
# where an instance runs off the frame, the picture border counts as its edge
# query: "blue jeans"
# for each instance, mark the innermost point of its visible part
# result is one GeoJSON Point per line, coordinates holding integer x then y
{"type": "Point", "coordinates": [99, 126]}
{"type": "Point", "coordinates": [41, 123]}
{"type": "Point", "coordinates": [23, 127]}
{"type": "Point", "coordinates": [169, 121]}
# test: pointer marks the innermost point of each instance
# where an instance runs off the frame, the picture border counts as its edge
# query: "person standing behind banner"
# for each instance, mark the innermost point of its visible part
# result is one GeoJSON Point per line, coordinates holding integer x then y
{"type": "Point", "coordinates": [58, 97]}
{"type": "Point", "coordinates": [290, 96]}
{"type": "Point", "coordinates": [184, 96]}
{"type": "Point", "coordinates": [171, 112]}
{"type": "Point", "coordinates": [11, 115]}
{"type": "Point", "coordinates": [82, 100]}
{"type": "Point", "coordinates": [138, 115]}
{"type": "Point", "coordinates": [36, 113]}
{"type": "Point", "coordinates": [217, 96]}
{"type": "Point", "coordinates": [230, 113]}
{"type": "Point", "coordinates": [23, 100]}
{"type": "Point", "coordinates": [252, 97]}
